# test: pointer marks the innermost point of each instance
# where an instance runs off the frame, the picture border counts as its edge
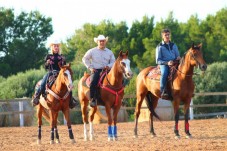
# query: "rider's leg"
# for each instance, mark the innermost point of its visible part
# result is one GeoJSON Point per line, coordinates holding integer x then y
{"type": "Point", "coordinates": [94, 81]}
{"type": "Point", "coordinates": [40, 91]}
{"type": "Point", "coordinates": [163, 80]}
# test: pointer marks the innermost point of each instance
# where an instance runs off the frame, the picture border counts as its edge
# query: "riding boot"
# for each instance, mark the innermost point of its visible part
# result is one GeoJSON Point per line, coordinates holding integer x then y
{"type": "Point", "coordinates": [36, 97]}
{"type": "Point", "coordinates": [72, 102]}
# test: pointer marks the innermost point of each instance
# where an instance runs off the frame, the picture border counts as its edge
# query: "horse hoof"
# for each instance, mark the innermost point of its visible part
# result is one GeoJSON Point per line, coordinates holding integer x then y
{"type": "Point", "coordinates": [52, 142]}
{"type": "Point", "coordinates": [115, 139]}
{"type": "Point", "coordinates": [38, 141]}
{"type": "Point", "coordinates": [73, 141]}
{"type": "Point", "coordinates": [177, 137]}
{"type": "Point", "coordinates": [92, 138]}
{"type": "Point", "coordinates": [57, 141]}
{"type": "Point", "coordinates": [153, 135]}
{"type": "Point", "coordinates": [110, 139]}
{"type": "Point", "coordinates": [135, 136]}
{"type": "Point", "coordinates": [85, 139]}
{"type": "Point", "coordinates": [188, 136]}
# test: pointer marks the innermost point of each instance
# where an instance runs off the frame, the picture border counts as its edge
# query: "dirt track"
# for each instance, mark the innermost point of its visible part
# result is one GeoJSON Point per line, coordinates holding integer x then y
{"type": "Point", "coordinates": [207, 135]}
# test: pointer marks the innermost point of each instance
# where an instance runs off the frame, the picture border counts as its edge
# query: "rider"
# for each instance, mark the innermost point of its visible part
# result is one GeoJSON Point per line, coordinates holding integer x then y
{"type": "Point", "coordinates": [51, 64]}
{"type": "Point", "coordinates": [96, 59]}
{"type": "Point", "coordinates": [166, 53]}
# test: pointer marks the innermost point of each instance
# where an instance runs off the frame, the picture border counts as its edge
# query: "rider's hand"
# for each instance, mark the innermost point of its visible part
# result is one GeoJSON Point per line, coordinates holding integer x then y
{"type": "Point", "coordinates": [48, 61]}
{"type": "Point", "coordinates": [107, 68]}
{"type": "Point", "coordinates": [178, 58]}
{"type": "Point", "coordinates": [92, 70]}
{"type": "Point", "coordinates": [170, 63]}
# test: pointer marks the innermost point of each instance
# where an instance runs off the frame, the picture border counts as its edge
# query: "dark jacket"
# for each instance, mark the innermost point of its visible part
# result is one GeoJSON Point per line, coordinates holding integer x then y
{"type": "Point", "coordinates": [54, 60]}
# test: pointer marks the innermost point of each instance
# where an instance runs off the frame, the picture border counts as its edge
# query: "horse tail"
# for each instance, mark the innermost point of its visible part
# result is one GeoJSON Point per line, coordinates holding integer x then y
{"type": "Point", "coordinates": [46, 115]}
{"type": "Point", "coordinates": [150, 106]}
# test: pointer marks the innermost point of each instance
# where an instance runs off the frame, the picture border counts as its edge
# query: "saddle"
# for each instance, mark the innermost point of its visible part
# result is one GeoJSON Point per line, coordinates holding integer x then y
{"type": "Point", "coordinates": [155, 74]}
{"type": "Point", "coordinates": [87, 81]}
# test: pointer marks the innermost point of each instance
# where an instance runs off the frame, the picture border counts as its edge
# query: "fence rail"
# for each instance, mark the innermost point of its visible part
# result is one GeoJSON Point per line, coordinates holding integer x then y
{"type": "Point", "coordinates": [21, 112]}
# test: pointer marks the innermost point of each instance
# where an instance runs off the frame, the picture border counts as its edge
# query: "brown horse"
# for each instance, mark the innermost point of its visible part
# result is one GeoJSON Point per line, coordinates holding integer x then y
{"type": "Point", "coordinates": [111, 93]}
{"type": "Point", "coordinates": [182, 89]}
{"type": "Point", "coordinates": [57, 99]}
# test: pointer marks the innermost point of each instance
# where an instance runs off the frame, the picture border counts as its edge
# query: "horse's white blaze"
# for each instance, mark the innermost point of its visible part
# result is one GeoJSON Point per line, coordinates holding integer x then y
{"type": "Point", "coordinates": [128, 70]}
{"type": "Point", "coordinates": [70, 86]}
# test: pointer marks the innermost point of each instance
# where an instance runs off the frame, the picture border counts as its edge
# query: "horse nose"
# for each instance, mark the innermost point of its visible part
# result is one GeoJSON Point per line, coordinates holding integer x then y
{"type": "Point", "coordinates": [70, 87]}
{"type": "Point", "coordinates": [129, 74]}
{"type": "Point", "coordinates": [204, 67]}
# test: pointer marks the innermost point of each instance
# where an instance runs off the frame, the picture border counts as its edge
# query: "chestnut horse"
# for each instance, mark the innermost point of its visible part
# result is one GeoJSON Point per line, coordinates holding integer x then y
{"type": "Point", "coordinates": [111, 93]}
{"type": "Point", "coordinates": [57, 99]}
{"type": "Point", "coordinates": [182, 89]}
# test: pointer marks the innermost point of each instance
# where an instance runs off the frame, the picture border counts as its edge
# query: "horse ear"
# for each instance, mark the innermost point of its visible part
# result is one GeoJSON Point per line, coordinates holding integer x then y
{"type": "Point", "coordinates": [126, 53]}
{"type": "Point", "coordinates": [120, 53]}
{"type": "Point", "coordinates": [200, 45]}
{"type": "Point", "coordinates": [193, 45]}
{"type": "Point", "coordinates": [59, 64]}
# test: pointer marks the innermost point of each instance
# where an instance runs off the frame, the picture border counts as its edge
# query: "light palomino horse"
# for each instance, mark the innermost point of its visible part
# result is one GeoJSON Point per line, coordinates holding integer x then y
{"type": "Point", "coordinates": [182, 89]}
{"type": "Point", "coordinates": [111, 94]}
{"type": "Point", "coordinates": [57, 99]}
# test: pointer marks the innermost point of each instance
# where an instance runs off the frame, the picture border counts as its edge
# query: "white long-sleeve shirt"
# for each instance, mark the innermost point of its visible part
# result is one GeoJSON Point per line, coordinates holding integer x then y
{"type": "Point", "coordinates": [98, 59]}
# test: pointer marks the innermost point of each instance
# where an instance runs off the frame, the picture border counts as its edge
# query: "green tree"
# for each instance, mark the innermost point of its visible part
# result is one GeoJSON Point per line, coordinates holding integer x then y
{"type": "Point", "coordinates": [22, 40]}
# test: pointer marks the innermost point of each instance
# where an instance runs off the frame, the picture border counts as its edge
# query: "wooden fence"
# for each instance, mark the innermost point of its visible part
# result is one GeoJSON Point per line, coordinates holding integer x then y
{"type": "Point", "coordinates": [22, 112]}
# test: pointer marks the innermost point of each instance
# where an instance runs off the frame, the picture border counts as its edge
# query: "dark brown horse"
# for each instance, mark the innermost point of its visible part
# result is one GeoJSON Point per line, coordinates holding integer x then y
{"type": "Point", "coordinates": [111, 94]}
{"type": "Point", "coordinates": [182, 89]}
{"type": "Point", "coordinates": [57, 100]}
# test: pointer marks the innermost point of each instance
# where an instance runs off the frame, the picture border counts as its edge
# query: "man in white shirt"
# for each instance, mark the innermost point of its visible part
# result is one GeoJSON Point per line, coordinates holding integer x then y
{"type": "Point", "coordinates": [96, 59]}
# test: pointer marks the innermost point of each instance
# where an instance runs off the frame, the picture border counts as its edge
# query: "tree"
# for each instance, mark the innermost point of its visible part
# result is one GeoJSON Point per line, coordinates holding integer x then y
{"type": "Point", "coordinates": [22, 40]}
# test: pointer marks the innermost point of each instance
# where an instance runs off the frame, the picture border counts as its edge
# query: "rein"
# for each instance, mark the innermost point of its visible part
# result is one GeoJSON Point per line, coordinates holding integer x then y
{"type": "Point", "coordinates": [111, 90]}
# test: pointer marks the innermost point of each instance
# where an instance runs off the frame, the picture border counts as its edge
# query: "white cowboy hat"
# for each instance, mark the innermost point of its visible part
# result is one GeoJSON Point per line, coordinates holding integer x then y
{"type": "Point", "coordinates": [55, 42]}
{"type": "Point", "coordinates": [100, 37]}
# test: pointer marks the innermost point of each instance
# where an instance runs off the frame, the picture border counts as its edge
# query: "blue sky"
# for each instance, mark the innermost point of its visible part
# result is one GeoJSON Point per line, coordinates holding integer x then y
{"type": "Point", "coordinates": [69, 15]}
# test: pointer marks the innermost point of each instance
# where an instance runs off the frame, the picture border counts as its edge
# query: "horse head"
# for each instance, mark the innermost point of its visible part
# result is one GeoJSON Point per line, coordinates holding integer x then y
{"type": "Point", "coordinates": [125, 64]}
{"type": "Point", "coordinates": [65, 75]}
{"type": "Point", "coordinates": [197, 57]}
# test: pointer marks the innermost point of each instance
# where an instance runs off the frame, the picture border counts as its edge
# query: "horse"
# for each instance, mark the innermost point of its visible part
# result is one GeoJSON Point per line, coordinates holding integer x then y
{"type": "Point", "coordinates": [181, 88]}
{"type": "Point", "coordinates": [111, 92]}
{"type": "Point", "coordinates": [57, 99]}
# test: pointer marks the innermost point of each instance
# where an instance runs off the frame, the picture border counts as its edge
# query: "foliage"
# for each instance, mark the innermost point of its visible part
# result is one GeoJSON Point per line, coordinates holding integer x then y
{"type": "Point", "coordinates": [213, 80]}
{"type": "Point", "coordinates": [22, 40]}
{"type": "Point", "coordinates": [20, 85]}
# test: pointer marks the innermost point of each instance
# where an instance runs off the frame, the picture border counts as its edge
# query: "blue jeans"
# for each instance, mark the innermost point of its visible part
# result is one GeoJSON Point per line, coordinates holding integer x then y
{"type": "Point", "coordinates": [164, 74]}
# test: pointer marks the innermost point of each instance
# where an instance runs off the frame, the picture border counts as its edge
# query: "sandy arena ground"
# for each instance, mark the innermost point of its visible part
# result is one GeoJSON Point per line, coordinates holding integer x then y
{"type": "Point", "coordinates": [207, 135]}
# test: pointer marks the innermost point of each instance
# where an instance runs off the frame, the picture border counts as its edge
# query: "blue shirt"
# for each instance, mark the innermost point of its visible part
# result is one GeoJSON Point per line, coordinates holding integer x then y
{"type": "Point", "coordinates": [166, 52]}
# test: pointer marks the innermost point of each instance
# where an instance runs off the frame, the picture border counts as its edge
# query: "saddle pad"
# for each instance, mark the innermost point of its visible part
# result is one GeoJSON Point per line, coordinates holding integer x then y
{"type": "Point", "coordinates": [154, 73]}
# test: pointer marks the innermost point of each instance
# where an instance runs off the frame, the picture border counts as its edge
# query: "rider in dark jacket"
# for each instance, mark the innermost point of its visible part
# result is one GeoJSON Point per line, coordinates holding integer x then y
{"type": "Point", "coordinates": [52, 62]}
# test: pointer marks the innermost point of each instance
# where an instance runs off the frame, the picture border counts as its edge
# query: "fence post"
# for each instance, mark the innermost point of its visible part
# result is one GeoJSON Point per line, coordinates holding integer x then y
{"type": "Point", "coordinates": [21, 114]}
{"type": "Point", "coordinates": [191, 110]}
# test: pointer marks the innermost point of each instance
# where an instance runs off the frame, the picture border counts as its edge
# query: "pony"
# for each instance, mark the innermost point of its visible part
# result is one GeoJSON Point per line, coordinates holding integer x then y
{"type": "Point", "coordinates": [181, 88]}
{"type": "Point", "coordinates": [111, 92]}
{"type": "Point", "coordinates": [57, 99]}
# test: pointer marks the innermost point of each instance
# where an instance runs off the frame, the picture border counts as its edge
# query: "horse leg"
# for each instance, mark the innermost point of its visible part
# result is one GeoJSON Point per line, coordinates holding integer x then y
{"type": "Point", "coordinates": [92, 114]}
{"type": "Point", "coordinates": [67, 118]}
{"type": "Point", "coordinates": [152, 102]}
{"type": "Point", "coordinates": [110, 132]}
{"type": "Point", "coordinates": [39, 115]}
{"type": "Point", "coordinates": [186, 120]}
{"type": "Point", "coordinates": [139, 102]}
{"type": "Point", "coordinates": [114, 128]}
{"type": "Point", "coordinates": [52, 125]}
{"type": "Point", "coordinates": [84, 117]}
{"type": "Point", "coordinates": [176, 113]}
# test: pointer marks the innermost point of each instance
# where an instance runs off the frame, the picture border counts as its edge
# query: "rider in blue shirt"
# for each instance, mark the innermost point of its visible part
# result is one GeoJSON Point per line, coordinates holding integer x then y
{"type": "Point", "coordinates": [166, 53]}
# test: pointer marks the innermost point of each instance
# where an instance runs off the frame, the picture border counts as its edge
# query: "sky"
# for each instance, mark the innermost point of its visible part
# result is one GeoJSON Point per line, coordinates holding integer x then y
{"type": "Point", "coordinates": [69, 15]}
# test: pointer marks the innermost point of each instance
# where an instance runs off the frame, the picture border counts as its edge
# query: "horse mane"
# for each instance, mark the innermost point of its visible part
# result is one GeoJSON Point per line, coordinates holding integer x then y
{"type": "Point", "coordinates": [183, 57]}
